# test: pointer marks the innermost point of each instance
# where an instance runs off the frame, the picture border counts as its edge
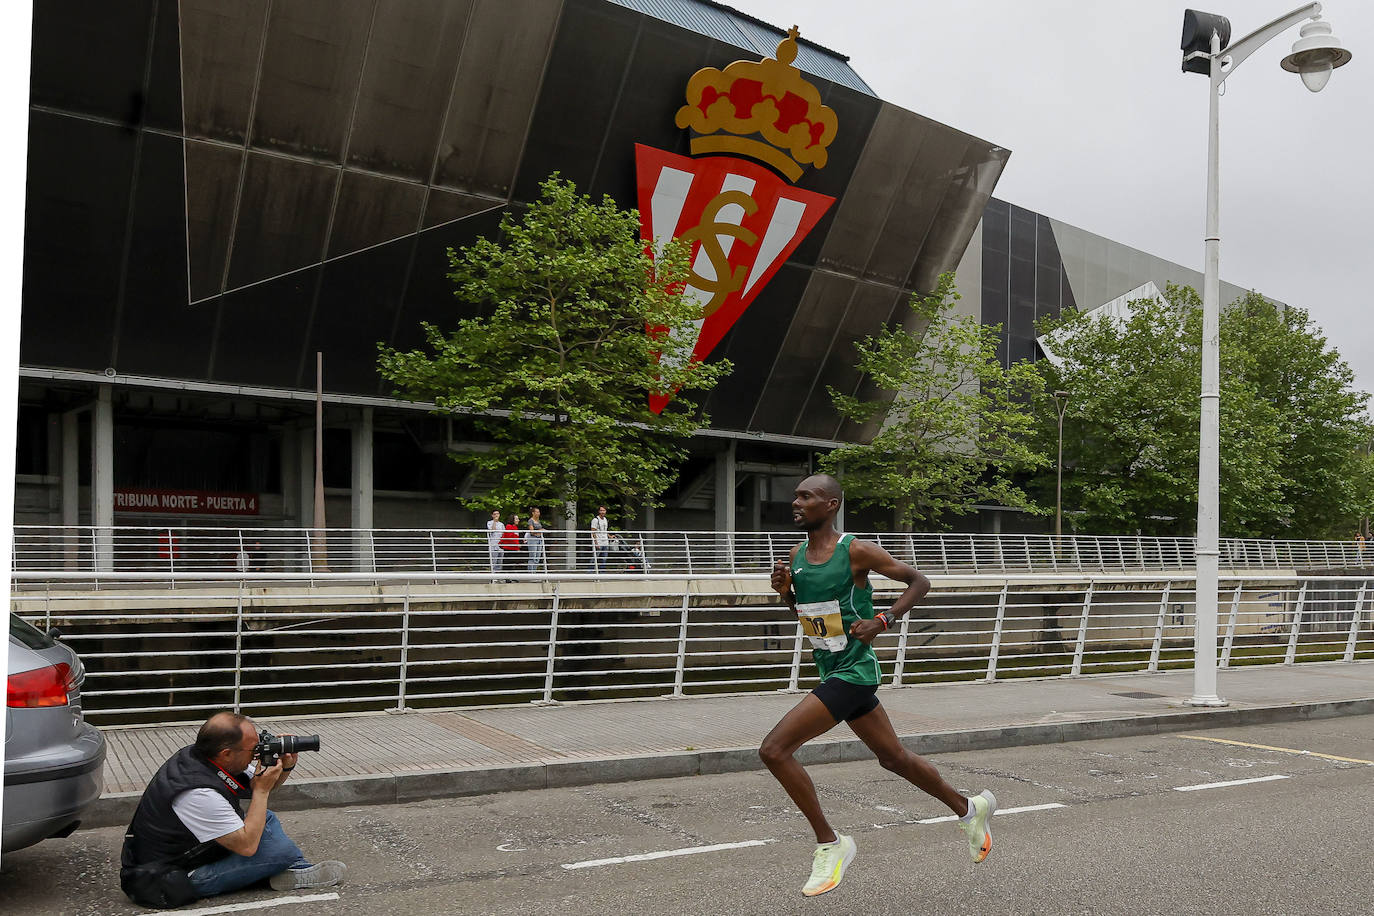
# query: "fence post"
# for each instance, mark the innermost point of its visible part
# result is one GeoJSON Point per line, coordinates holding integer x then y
{"type": "Point", "coordinates": [687, 549]}
{"type": "Point", "coordinates": [900, 665]}
{"type": "Point", "coordinates": [1292, 654]}
{"type": "Point", "coordinates": [1354, 636]}
{"type": "Point", "coordinates": [730, 546]}
{"type": "Point", "coordinates": [238, 651]}
{"type": "Point", "coordinates": [679, 675]}
{"type": "Point", "coordinates": [405, 651]}
{"type": "Point", "coordinates": [795, 675]}
{"type": "Point", "coordinates": [433, 557]}
{"type": "Point", "coordinates": [997, 634]}
{"type": "Point", "coordinates": [1082, 632]}
{"type": "Point", "coordinates": [1231, 627]}
{"type": "Point", "coordinates": [547, 699]}
{"type": "Point", "coordinates": [1159, 629]}
{"type": "Point", "coordinates": [309, 558]}
{"type": "Point", "coordinates": [944, 555]}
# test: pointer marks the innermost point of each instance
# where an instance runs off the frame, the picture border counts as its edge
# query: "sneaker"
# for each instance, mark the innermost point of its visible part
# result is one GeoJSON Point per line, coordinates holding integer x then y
{"type": "Point", "coordinates": [976, 828]}
{"type": "Point", "coordinates": [828, 865]}
{"type": "Point", "coordinates": [321, 874]}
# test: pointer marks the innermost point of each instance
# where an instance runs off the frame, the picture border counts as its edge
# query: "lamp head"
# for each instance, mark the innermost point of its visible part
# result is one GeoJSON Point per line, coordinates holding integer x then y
{"type": "Point", "coordinates": [1316, 54]}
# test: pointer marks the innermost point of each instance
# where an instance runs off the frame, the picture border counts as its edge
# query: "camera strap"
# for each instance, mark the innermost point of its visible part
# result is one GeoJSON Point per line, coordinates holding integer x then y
{"type": "Point", "coordinates": [230, 782]}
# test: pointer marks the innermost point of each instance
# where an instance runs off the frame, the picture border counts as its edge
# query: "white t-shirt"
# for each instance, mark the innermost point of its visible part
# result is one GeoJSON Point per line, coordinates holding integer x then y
{"type": "Point", "coordinates": [599, 537]}
{"type": "Point", "coordinates": [494, 531]}
{"type": "Point", "coordinates": [206, 813]}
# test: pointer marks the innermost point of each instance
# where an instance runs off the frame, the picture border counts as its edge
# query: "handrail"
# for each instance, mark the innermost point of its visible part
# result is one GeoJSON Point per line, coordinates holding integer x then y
{"type": "Point", "coordinates": [166, 656]}
{"type": "Point", "coordinates": [320, 553]}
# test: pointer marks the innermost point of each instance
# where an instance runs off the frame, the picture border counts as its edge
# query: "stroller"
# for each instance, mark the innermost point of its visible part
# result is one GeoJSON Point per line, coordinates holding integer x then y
{"type": "Point", "coordinates": [630, 554]}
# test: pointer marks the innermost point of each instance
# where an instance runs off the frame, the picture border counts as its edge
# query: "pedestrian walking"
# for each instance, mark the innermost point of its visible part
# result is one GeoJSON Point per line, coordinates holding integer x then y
{"type": "Point", "coordinates": [825, 581]}
{"type": "Point", "coordinates": [601, 541]}
{"type": "Point", "coordinates": [496, 531]}
{"type": "Point", "coordinates": [534, 541]}
{"type": "Point", "coordinates": [510, 542]}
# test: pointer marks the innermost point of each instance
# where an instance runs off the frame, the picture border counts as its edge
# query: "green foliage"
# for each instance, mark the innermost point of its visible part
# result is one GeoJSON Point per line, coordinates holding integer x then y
{"type": "Point", "coordinates": [556, 367]}
{"type": "Point", "coordinates": [1291, 426]}
{"type": "Point", "coordinates": [954, 427]}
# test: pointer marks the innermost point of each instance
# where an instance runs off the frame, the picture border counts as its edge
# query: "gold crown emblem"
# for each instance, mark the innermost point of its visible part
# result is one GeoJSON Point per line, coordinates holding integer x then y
{"type": "Point", "coordinates": [768, 98]}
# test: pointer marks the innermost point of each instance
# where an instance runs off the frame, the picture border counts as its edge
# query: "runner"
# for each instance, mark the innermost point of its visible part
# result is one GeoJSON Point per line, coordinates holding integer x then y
{"type": "Point", "coordinates": [826, 583]}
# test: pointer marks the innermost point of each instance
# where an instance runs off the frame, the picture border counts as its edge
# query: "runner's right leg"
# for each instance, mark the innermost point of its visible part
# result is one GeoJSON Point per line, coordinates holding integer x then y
{"type": "Point", "coordinates": [805, 721]}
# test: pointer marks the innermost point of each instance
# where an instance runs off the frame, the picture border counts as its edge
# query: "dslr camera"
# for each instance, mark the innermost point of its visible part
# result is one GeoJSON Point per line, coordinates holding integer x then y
{"type": "Point", "coordinates": [271, 747]}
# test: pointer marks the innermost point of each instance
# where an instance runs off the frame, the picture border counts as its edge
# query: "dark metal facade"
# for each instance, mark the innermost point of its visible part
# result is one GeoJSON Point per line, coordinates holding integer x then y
{"type": "Point", "coordinates": [217, 190]}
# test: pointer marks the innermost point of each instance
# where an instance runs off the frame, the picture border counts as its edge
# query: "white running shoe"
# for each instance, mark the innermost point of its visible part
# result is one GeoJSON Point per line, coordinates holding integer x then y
{"type": "Point", "coordinates": [828, 865]}
{"type": "Point", "coordinates": [977, 828]}
{"type": "Point", "coordinates": [321, 874]}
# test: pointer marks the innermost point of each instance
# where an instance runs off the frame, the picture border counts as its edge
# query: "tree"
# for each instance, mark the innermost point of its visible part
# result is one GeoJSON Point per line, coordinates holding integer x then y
{"type": "Point", "coordinates": [955, 429]}
{"type": "Point", "coordinates": [555, 369]}
{"type": "Point", "coordinates": [1131, 425]}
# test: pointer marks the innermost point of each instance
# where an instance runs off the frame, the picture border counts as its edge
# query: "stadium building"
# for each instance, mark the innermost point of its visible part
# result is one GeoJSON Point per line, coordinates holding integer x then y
{"type": "Point", "coordinates": [219, 191]}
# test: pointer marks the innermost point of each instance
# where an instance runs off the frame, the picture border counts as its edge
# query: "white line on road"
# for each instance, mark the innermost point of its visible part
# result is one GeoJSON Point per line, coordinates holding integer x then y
{"type": "Point", "coordinates": [1229, 782]}
{"type": "Point", "coordinates": [257, 905]}
{"type": "Point", "coordinates": [667, 853]}
{"type": "Point", "coordinates": [1022, 810]}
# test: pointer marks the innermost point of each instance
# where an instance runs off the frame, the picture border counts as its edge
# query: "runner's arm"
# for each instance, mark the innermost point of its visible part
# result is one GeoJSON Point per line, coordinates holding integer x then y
{"type": "Point", "coordinates": [867, 558]}
{"type": "Point", "coordinates": [782, 579]}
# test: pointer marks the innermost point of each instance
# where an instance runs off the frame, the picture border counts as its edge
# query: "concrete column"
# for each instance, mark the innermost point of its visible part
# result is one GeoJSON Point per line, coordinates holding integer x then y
{"type": "Point", "coordinates": [725, 489]}
{"type": "Point", "coordinates": [839, 516]}
{"type": "Point", "coordinates": [290, 476]}
{"type": "Point", "coordinates": [102, 478]}
{"type": "Point", "coordinates": [361, 519]}
{"type": "Point", "coordinates": [305, 473]}
{"type": "Point", "coordinates": [71, 488]}
{"type": "Point", "coordinates": [756, 510]}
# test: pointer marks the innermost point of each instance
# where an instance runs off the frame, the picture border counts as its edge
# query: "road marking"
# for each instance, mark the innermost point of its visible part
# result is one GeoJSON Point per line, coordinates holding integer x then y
{"type": "Point", "coordinates": [258, 905]}
{"type": "Point", "coordinates": [1285, 750]}
{"type": "Point", "coordinates": [667, 853]}
{"type": "Point", "coordinates": [1022, 810]}
{"type": "Point", "coordinates": [1229, 782]}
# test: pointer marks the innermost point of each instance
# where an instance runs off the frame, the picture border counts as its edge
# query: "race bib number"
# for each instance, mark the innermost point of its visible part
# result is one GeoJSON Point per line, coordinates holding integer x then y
{"type": "Point", "coordinates": [823, 625]}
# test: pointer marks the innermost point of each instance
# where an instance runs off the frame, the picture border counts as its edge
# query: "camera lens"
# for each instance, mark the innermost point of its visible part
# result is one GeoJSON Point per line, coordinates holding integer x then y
{"type": "Point", "coordinates": [293, 744]}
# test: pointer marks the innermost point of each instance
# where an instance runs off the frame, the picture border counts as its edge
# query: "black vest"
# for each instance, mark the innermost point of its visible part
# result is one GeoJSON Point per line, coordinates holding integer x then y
{"type": "Point", "coordinates": [158, 849]}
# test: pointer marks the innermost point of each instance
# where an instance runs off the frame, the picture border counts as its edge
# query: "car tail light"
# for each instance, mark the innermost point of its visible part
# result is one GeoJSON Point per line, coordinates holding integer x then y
{"type": "Point", "coordinates": [40, 687]}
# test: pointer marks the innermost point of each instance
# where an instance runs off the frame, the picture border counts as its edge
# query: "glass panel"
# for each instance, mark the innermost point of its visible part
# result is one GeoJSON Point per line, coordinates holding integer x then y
{"type": "Point", "coordinates": [372, 210]}
{"type": "Point", "coordinates": [282, 217]}
{"type": "Point", "coordinates": [412, 53]}
{"type": "Point", "coordinates": [221, 47]}
{"type": "Point", "coordinates": [309, 78]}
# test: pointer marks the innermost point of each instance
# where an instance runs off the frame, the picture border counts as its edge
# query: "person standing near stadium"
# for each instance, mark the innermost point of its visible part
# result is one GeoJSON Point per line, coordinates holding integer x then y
{"type": "Point", "coordinates": [825, 582]}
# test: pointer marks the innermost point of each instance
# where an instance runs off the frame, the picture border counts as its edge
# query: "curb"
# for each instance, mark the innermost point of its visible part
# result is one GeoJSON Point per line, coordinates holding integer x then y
{"type": "Point", "coordinates": [116, 810]}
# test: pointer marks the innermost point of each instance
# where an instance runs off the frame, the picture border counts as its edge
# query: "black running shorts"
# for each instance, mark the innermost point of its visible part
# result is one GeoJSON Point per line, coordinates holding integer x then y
{"type": "Point", "coordinates": [847, 701]}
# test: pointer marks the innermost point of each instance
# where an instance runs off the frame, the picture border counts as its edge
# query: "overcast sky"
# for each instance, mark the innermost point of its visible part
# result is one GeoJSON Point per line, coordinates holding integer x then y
{"type": "Point", "coordinates": [1107, 134]}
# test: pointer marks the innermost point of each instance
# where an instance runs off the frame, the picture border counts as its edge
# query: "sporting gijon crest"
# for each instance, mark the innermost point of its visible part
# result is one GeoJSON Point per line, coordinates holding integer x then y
{"type": "Point", "coordinates": [743, 219]}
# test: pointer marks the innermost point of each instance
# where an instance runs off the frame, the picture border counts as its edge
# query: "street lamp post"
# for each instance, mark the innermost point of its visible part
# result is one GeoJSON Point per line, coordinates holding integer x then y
{"type": "Point", "coordinates": [1061, 403]}
{"type": "Point", "coordinates": [1314, 56]}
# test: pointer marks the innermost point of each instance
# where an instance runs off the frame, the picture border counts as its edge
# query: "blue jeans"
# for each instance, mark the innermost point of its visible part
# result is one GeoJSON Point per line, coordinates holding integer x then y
{"type": "Point", "coordinates": [536, 554]}
{"type": "Point", "coordinates": [276, 852]}
{"type": "Point", "coordinates": [602, 553]}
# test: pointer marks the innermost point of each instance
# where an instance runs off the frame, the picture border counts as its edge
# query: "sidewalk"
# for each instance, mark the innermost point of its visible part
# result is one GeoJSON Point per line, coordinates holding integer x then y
{"type": "Point", "coordinates": [381, 758]}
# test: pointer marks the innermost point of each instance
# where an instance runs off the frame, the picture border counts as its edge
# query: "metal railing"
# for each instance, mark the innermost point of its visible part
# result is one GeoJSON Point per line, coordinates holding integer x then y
{"type": "Point", "coordinates": [167, 655]}
{"type": "Point", "coordinates": [316, 552]}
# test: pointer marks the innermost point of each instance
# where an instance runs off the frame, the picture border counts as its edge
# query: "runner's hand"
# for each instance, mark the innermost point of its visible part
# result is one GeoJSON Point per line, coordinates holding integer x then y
{"type": "Point", "coordinates": [865, 630]}
{"type": "Point", "coordinates": [782, 578]}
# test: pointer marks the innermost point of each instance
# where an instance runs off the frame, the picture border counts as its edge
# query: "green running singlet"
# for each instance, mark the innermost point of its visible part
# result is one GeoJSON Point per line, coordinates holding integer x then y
{"type": "Point", "coordinates": [828, 603]}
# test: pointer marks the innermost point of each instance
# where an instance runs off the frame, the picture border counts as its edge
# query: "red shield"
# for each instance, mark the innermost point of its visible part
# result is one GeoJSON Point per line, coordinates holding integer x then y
{"type": "Point", "coordinates": [743, 220]}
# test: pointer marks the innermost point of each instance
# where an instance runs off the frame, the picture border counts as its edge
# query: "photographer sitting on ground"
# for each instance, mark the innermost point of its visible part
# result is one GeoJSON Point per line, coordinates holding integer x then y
{"type": "Point", "coordinates": [190, 836]}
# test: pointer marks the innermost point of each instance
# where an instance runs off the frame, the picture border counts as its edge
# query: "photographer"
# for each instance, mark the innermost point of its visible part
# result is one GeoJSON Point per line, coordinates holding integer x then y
{"type": "Point", "coordinates": [191, 837]}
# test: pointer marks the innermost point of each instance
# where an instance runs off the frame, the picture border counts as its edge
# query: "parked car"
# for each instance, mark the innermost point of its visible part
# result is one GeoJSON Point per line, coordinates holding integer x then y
{"type": "Point", "coordinates": [54, 759]}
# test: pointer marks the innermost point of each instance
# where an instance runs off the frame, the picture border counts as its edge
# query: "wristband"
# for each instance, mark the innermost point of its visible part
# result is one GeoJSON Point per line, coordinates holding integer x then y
{"type": "Point", "coordinates": [882, 617]}
{"type": "Point", "coordinates": [288, 769]}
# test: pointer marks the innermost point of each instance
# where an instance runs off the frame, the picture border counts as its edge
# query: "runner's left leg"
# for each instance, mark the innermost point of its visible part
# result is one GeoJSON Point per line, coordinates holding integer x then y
{"type": "Point", "coordinates": [875, 730]}
{"type": "Point", "coordinates": [805, 721]}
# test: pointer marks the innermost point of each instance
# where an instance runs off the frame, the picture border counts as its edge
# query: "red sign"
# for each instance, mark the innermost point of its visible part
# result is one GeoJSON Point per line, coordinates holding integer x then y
{"type": "Point", "coordinates": [184, 502]}
{"type": "Point", "coordinates": [742, 219]}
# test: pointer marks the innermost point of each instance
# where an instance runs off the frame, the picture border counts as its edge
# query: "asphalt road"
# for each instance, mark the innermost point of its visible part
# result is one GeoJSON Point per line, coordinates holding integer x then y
{"type": "Point", "coordinates": [1122, 840]}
